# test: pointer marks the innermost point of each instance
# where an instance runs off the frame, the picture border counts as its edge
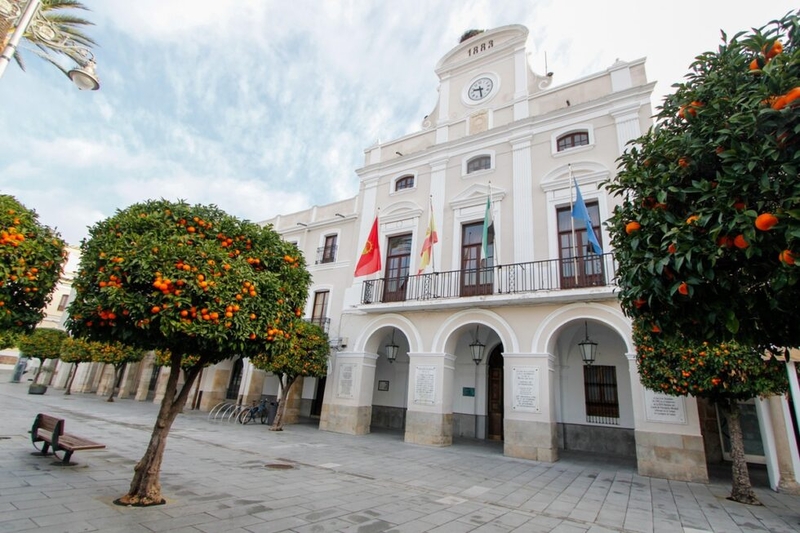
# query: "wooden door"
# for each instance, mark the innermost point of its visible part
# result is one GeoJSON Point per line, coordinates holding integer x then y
{"type": "Point", "coordinates": [398, 261]}
{"type": "Point", "coordinates": [476, 273]}
{"type": "Point", "coordinates": [494, 429]}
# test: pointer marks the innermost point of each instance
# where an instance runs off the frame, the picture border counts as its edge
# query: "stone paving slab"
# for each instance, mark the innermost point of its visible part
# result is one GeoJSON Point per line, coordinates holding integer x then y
{"type": "Point", "coordinates": [221, 476]}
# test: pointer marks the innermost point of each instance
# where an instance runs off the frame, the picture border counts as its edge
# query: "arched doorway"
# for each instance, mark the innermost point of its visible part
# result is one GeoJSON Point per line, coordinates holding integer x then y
{"type": "Point", "coordinates": [494, 397]}
{"type": "Point", "coordinates": [390, 389]}
{"type": "Point", "coordinates": [595, 406]}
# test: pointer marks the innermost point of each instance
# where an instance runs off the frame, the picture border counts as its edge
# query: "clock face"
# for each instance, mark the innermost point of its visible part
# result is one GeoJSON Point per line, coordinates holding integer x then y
{"type": "Point", "coordinates": [480, 89]}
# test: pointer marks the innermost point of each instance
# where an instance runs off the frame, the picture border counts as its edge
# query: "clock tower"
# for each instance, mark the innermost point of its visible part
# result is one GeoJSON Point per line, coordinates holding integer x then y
{"type": "Point", "coordinates": [485, 82]}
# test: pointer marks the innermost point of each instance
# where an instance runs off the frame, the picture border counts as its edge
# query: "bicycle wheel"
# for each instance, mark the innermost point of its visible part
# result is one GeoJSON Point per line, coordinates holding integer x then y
{"type": "Point", "coordinates": [246, 416]}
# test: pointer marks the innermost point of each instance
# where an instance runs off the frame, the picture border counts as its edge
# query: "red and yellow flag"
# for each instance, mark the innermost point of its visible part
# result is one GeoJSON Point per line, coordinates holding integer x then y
{"type": "Point", "coordinates": [370, 260]}
{"type": "Point", "coordinates": [431, 238]}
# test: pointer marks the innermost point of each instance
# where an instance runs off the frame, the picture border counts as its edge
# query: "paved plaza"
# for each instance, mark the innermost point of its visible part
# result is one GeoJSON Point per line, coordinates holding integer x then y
{"type": "Point", "coordinates": [220, 476]}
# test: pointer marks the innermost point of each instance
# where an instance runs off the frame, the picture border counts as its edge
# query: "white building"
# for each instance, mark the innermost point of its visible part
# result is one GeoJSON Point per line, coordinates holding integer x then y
{"type": "Point", "coordinates": [499, 131]}
{"type": "Point", "coordinates": [499, 134]}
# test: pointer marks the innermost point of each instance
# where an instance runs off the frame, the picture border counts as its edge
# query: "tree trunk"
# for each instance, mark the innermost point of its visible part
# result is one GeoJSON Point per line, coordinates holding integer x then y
{"type": "Point", "coordinates": [72, 372]}
{"type": "Point", "coordinates": [741, 491]}
{"type": "Point", "coordinates": [38, 371]}
{"type": "Point", "coordinates": [277, 424]}
{"type": "Point", "coordinates": [145, 487]}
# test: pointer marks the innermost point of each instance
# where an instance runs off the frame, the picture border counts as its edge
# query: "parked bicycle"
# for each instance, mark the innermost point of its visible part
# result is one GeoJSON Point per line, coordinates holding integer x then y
{"type": "Point", "coordinates": [257, 411]}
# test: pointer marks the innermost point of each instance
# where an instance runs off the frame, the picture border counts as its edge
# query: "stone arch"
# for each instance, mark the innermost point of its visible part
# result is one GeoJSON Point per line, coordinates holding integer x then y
{"type": "Point", "coordinates": [612, 317]}
{"type": "Point", "coordinates": [367, 341]}
{"type": "Point", "coordinates": [444, 340]}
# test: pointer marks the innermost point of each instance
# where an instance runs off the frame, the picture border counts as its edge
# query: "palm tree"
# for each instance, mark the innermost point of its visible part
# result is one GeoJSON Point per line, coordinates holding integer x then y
{"type": "Point", "coordinates": [55, 31]}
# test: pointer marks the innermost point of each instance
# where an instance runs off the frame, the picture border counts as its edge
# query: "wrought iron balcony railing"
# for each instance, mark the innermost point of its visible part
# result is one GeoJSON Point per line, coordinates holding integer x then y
{"type": "Point", "coordinates": [326, 254]}
{"type": "Point", "coordinates": [321, 321]}
{"type": "Point", "coordinates": [550, 275]}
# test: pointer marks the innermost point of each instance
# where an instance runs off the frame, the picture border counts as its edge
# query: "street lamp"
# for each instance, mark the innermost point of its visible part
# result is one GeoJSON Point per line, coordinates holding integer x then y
{"type": "Point", "coordinates": [476, 347]}
{"type": "Point", "coordinates": [588, 348]}
{"type": "Point", "coordinates": [83, 76]}
{"type": "Point", "coordinates": [391, 349]}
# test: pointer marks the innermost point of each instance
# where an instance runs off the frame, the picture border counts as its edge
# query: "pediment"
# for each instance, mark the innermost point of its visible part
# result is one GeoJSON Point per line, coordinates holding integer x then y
{"type": "Point", "coordinates": [475, 194]}
{"type": "Point", "coordinates": [583, 171]}
{"type": "Point", "coordinates": [401, 211]}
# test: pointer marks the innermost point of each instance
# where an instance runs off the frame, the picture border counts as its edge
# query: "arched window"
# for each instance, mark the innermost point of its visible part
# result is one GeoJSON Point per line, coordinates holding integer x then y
{"type": "Point", "coordinates": [481, 162]}
{"type": "Point", "coordinates": [572, 139]}
{"type": "Point", "coordinates": [406, 182]}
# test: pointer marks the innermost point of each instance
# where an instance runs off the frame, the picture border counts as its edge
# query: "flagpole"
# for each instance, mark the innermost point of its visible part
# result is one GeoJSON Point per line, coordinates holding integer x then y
{"type": "Point", "coordinates": [430, 217]}
{"type": "Point", "coordinates": [572, 225]}
{"type": "Point", "coordinates": [495, 250]}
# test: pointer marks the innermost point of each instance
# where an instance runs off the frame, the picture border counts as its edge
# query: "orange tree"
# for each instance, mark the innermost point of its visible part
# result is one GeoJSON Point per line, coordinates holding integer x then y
{"type": "Point", "coordinates": [31, 255]}
{"type": "Point", "coordinates": [709, 225]}
{"type": "Point", "coordinates": [117, 355]}
{"type": "Point", "coordinates": [76, 351]}
{"type": "Point", "coordinates": [41, 344]}
{"type": "Point", "coordinates": [300, 349]}
{"type": "Point", "coordinates": [190, 279]}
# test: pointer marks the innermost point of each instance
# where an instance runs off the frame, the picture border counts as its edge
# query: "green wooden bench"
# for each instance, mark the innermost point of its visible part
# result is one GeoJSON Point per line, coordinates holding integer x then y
{"type": "Point", "coordinates": [49, 431]}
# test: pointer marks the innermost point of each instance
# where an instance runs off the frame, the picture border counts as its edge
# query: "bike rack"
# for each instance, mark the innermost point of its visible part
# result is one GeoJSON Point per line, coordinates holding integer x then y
{"type": "Point", "coordinates": [225, 411]}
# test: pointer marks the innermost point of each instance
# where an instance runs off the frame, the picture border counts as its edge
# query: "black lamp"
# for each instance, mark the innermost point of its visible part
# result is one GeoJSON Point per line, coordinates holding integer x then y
{"type": "Point", "coordinates": [477, 347]}
{"type": "Point", "coordinates": [391, 349]}
{"type": "Point", "coordinates": [588, 348]}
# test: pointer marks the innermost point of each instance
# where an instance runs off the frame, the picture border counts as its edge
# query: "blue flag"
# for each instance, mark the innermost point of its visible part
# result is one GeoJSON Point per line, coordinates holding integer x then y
{"type": "Point", "coordinates": [580, 212]}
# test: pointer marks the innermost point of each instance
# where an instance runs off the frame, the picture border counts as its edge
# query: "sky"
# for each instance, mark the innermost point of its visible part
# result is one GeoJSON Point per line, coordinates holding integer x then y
{"type": "Point", "coordinates": [263, 107]}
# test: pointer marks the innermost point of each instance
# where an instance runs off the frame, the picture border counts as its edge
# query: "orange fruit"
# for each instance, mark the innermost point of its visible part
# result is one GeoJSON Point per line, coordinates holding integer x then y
{"type": "Point", "coordinates": [740, 242]}
{"type": "Point", "coordinates": [786, 257]}
{"type": "Point", "coordinates": [155, 309]}
{"type": "Point", "coordinates": [725, 241]}
{"type": "Point", "coordinates": [672, 248]}
{"type": "Point", "coordinates": [692, 219]}
{"type": "Point", "coordinates": [792, 95]}
{"type": "Point", "coordinates": [683, 162]}
{"type": "Point", "coordinates": [779, 103]}
{"type": "Point", "coordinates": [641, 302]}
{"type": "Point", "coordinates": [632, 226]}
{"type": "Point", "coordinates": [683, 288]}
{"type": "Point", "coordinates": [774, 50]}
{"type": "Point", "coordinates": [765, 221]}
{"type": "Point", "coordinates": [655, 329]}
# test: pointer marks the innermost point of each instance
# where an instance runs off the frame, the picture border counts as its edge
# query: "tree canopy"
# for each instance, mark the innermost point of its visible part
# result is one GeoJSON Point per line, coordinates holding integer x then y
{"type": "Point", "coordinates": [31, 256]}
{"type": "Point", "coordinates": [709, 226]}
{"type": "Point", "coordinates": [190, 279]}
{"type": "Point", "coordinates": [41, 344]}
{"type": "Point", "coordinates": [305, 355]}
{"type": "Point", "coordinates": [61, 18]}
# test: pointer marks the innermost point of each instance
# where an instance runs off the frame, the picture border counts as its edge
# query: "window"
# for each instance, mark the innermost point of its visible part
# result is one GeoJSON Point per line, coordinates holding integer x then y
{"type": "Point", "coordinates": [319, 313]}
{"type": "Point", "coordinates": [580, 267]}
{"type": "Point", "coordinates": [398, 260]}
{"type": "Point", "coordinates": [236, 380]}
{"type": "Point", "coordinates": [327, 253]}
{"type": "Point", "coordinates": [406, 182]}
{"type": "Point", "coordinates": [476, 272]}
{"type": "Point", "coordinates": [600, 389]}
{"type": "Point", "coordinates": [571, 140]}
{"type": "Point", "coordinates": [62, 304]}
{"type": "Point", "coordinates": [482, 162]}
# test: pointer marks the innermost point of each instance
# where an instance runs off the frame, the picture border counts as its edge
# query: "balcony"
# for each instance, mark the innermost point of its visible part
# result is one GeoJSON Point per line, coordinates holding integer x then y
{"type": "Point", "coordinates": [321, 321]}
{"type": "Point", "coordinates": [326, 254]}
{"type": "Point", "coordinates": [590, 271]}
